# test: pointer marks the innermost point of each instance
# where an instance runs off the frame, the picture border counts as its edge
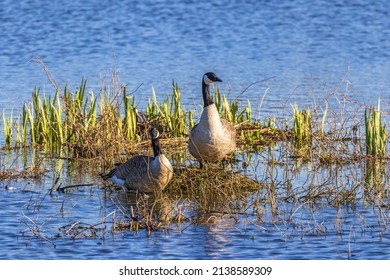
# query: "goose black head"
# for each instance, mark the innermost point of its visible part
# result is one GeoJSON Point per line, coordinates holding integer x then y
{"type": "Point", "coordinates": [210, 77]}
{"type": "Point", "coordinates": [154, 133]}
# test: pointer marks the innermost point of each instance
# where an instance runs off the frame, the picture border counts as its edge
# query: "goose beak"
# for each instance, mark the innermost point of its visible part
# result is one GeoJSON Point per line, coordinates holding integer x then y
{"type": "Point", "coordinates": [217, 79]}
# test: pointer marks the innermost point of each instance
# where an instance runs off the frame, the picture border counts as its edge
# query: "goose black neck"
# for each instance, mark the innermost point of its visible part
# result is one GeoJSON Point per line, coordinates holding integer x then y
{"type": "Point", "coordinates": [156, 147]}
{"type": "Point", "coordinates": [206, 95]}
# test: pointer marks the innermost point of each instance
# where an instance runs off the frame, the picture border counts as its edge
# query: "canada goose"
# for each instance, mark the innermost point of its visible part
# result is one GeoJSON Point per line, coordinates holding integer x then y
{"type": "Point", "coordinates": [213, 138]}
{"type": "Point", "coordinates": [144, 173]}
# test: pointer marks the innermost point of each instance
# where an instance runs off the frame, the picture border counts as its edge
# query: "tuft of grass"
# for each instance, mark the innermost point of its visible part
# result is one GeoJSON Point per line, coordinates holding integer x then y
{"type": "Point", "coordinates": [170, 113]}
{"type": "Point", "coordinates": [376, 134]}
{"type": "Point", "coordinates": [211, 189]}
{"type": "Point", "coordinates": [79, 114]}
{"type": "Point", "coordinates": [231, 110]}
{"type": "Point", "coordinates": [44, 117]}
{"type": "Point", "coordinates": [302, 127]}
{"type": "Point", "coordinates": [130, 118]}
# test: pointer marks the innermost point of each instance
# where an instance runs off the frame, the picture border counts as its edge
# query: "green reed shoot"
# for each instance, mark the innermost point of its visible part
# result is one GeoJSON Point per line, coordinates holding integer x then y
{"type": "Point", "coordinates": [376, 134]}
{"type": "Point", "coordinates": [91, 114]}
{"type": "Point", "coordinates": [170, 112]}
{"type": "Point", "coordinates": [28, 120]}
{"type": "Point", "coordinates": [191, 122]}
{"type": "Point", "coordinates": [7, 123]}
{"type": "Point", "coordinates": [179, 119]}
{"type": "Point", "coordinates": [56, 130]}
{"type": "Point", "coordinates": [152, 108]}
{"type": "Point", "coordinates": [230, 110]}
{"type": "Point", "coordinates": [40, 117]}
{"type": "Point", "coordinates": [130, 119]}
{"type": "Point", "coordinates": [45, 120]}
{"type": "Point", "coordinates": [18, 137]}
{"type": "Point", "coordinates": [302, 127]}
{"type": "Point", "coordinates": [110, 122]}
{"type": "Point", "coordinates": [248, 112]}
{"type": "Point", "coordinates": [217, 99]}
{"type": "Point", "coordinates": [166, 114]}
{"type": "Point", "coordinates": [75, 112]}
{"type": "Point", "coordinates": [25, 120]}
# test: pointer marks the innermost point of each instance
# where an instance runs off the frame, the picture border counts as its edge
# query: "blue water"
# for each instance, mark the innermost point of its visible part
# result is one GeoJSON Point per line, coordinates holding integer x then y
{"type": "Point", "coordinates": [356, 236]}
{"type": "Point", "coordinates": [310, 50]}
{"type": "Point", "coordinates": [308, 46]}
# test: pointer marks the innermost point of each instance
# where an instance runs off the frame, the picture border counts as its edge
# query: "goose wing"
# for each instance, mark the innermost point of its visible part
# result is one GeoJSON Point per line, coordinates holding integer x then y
{"type": "Point", "coordinates": [229, 127]}
{"type": "Point", "coordinates": [135, 169]}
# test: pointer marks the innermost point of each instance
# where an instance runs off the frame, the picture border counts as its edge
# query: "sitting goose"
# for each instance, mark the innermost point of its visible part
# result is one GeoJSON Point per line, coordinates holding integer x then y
{"type": "Point", "coordinates": [144, 173]}
{"type": "Point", "coordinates": [213, 138]}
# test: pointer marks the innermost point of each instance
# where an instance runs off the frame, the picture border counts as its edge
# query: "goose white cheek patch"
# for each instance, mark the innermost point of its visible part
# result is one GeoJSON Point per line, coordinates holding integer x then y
{"type": "Point", "coordinates": [206, 80]}
{"type": "Point", "coordinates": [154, 133]}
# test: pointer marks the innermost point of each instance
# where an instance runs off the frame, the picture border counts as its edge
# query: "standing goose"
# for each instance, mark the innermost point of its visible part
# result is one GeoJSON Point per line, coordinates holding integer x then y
{"type": "Point", "coordinates": [213, 138]}
{"type": "Point", "coordinates": [144, 173]}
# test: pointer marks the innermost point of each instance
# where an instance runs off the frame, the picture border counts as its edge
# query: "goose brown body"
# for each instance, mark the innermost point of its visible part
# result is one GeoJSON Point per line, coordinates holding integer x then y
{"type": "Point", "coordinates": [213, 138]}
{"type": "Point", "coordinates": [143, 173]}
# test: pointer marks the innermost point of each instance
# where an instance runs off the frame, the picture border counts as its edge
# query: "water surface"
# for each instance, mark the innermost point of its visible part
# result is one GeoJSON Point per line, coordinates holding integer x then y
{"type": "Point", "coordinates": [311, 44]}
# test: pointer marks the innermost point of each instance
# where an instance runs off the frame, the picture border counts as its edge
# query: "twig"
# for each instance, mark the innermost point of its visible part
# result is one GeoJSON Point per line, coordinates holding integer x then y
{"type": "Point", "coordinates": [261, 103]}
{"type": "Point", "coordinates": [254, 83]}
{"type": "Point", "coordinates": [35, 230]}
{"type": "Point", "coordinates": [88, 228]}
{"type": "Point", "coordinates": [48, 74]}
{"type": "Point", "coordinates": [54, 185]}
{"type": "Point", "coordinates": [72, 226]}
{"type": "Point", "coordinates": [61, 189]}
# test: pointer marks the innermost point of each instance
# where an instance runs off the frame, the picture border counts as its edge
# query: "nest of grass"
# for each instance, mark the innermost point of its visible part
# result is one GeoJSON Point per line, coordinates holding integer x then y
{"type": "Point", "coordinates": [211, 188]}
